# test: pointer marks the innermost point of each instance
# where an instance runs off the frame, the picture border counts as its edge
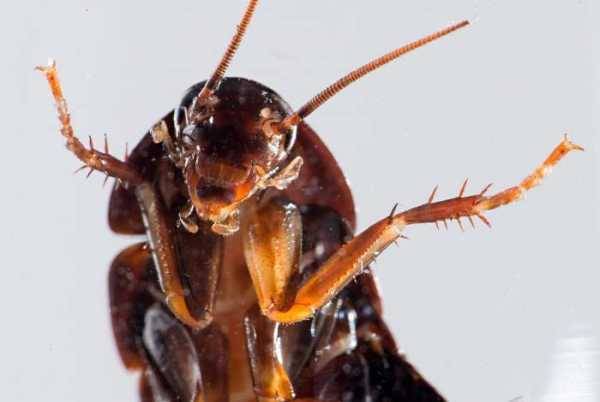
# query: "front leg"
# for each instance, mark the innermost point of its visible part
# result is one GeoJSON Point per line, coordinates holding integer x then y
{"type": "Point", "coordinates": [355, 255]}
{"type": "Point", "coordinates": [170, 263]}
{"type": "Point", "coordinates": [92, 158]}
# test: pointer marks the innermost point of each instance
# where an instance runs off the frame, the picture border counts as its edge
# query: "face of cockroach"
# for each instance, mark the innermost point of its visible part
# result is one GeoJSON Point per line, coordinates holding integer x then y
{"type": "Point", "coordinates": [232, 136]}
{"type": "Point", "coordinates": [227, 149]}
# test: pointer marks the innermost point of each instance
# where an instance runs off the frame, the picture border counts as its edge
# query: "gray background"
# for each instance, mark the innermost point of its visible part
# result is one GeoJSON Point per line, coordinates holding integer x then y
{"type": "Point", "coordinates": [487, 315]}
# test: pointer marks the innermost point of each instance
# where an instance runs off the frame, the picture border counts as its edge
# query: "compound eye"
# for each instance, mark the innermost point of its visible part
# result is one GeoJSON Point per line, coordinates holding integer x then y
{"type": "Point", "coordinates": [190, 137]}
{"type": "Point", "coordinates": [188, 140]}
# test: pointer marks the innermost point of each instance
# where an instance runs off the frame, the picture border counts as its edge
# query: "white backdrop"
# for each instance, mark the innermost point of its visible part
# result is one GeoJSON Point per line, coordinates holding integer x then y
{"type": "Point", "coordinates": [486, 315]}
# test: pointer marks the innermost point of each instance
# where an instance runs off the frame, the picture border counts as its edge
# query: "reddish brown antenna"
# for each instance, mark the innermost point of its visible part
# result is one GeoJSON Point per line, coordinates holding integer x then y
{"type": "Point", "coordinates": [214, 80]}
{"type": "Point", "coordinates": [348, 79]}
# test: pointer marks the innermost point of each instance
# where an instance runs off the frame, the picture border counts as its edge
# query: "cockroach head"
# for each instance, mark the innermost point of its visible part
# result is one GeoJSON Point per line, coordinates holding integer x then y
{"type": "Point", "coordinates": [228, 149]}
{"type": "Point", "coordinates": [233, 135]}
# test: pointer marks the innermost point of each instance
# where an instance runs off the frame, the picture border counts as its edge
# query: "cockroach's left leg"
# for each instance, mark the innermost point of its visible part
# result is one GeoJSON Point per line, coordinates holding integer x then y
{"type": "Point", "coordinates": [160, 235]}
{"type": "Point", "coordinates": [92, 158]}
{"type": "Point", "coordinates": [355, 255]}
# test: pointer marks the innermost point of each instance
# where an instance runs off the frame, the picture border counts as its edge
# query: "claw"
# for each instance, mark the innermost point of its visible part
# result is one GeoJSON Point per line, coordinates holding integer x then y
{"type": "Point", "coordinates": [572, 146]}
{"type": "Point", "coordinates": [47, 68]}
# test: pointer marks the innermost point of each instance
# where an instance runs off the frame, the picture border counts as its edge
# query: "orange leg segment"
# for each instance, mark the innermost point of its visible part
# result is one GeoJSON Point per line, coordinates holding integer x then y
{"type": "Point", "coordinates": [92, 158]}
{"type": "Point", "coordinates": [355, 255]}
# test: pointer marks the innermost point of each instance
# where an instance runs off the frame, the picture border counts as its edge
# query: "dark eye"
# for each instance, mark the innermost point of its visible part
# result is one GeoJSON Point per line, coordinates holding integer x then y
{"type": "Point", "coordinates": [188, 140]}
{"type": "Point", "coordinates": [189, 136]}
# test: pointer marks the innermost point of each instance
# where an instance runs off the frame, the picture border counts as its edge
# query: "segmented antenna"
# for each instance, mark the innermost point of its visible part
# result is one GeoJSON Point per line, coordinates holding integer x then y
{"type": "Point", "coordinates": [348, 79]}
{"type": "Point", "coordinates": [214, 80]}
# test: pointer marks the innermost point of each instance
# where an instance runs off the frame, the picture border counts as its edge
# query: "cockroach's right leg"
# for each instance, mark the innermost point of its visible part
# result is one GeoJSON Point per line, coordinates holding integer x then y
{"type": "Point", "coordinates": [355, 255]}
{"type": "Point", "coordinates": [271, 381]}
{"type": "Point", "coordinates": [92, 158]}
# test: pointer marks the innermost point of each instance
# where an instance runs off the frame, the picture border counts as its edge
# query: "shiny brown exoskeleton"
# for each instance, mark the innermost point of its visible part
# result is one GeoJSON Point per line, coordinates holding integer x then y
{"type": "Point", "coordinates": [243, 290]}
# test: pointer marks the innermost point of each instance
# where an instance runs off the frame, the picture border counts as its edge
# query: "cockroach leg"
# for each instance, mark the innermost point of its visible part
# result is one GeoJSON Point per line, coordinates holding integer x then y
{"type": "Point", "coordinates": [163, 251]}
{"type": "Point", "coordinates": [92, 158]}
{"type": "Point", "coordinates": [213, 351]}
{"type": "Point", "coordinates": [271, 381]}
{"type": "Point", "coordinates": [272, 237]}
{"type": "Point", "coordinates": [359, 252]}
{"type": "Point", "coordinates": [515, 193]}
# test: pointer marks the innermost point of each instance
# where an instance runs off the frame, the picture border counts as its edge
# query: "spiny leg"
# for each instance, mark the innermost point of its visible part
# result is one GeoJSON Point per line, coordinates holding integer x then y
{"type": "Point", "coordinates": [92, 158]}
{"type": "Point", "coordinates": [355, 255]}
{"type": "Point", "coordinates": [160, 236]}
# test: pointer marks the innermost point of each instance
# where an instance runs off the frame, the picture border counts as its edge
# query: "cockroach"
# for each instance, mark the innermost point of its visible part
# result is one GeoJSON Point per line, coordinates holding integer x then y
{"type": "Point", "coordinates": [250, 285]}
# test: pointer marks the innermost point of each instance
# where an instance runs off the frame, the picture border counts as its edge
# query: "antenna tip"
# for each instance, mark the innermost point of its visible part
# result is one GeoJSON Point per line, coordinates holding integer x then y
{"type": "Point", "coordinates": [463, 23]}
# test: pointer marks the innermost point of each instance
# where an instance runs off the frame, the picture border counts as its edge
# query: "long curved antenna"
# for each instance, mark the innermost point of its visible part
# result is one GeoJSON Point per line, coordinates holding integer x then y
{"type": "Point", "coordinates": [348, 79]}
{"type": "Point", "coordinates": [217, 76]}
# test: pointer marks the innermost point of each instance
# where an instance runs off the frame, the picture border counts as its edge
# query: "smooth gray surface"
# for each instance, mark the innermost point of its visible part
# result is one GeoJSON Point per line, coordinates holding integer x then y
{"type": "Point", "coordinates": [486, 315]}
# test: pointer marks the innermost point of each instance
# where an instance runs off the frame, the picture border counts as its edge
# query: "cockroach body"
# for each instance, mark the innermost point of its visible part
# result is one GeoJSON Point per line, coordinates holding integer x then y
{"type": "Point", "coordinates": [248, 287]}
